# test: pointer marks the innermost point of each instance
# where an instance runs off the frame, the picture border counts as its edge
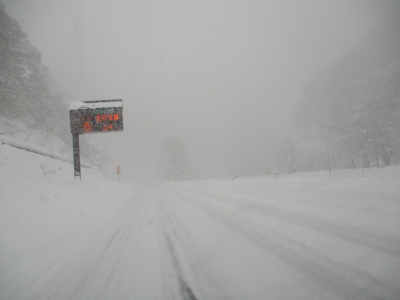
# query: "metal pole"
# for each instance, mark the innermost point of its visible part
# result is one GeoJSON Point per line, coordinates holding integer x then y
{"type": "Point", "coordinates": [329, 163]}
{"type": "Point", "coordinates": [363, 158]}
{"type": "Point", "coordinates": [77, 160]}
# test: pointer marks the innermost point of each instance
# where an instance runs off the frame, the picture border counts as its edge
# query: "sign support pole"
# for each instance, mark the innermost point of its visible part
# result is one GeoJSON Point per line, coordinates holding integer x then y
{"type": "Point", "coordinates": [77, 160]}
{"type": "Point", "coordinates": [90, 117]}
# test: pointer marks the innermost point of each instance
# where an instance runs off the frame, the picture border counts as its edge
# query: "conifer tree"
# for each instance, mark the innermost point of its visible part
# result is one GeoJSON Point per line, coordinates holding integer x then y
{"type": "Point", "coordinates": [175, 160]}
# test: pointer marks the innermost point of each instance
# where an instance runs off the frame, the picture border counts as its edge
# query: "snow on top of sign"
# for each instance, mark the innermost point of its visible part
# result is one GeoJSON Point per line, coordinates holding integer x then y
{"type": "Point", "coordinates": [75, 105]}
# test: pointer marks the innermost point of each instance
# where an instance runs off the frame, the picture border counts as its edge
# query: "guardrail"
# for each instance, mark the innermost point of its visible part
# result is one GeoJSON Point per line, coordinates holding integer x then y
{"type": "Point", "coordinates": [38, 150]}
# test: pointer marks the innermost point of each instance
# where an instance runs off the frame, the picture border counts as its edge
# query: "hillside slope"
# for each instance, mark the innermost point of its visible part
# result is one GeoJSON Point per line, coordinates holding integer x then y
{"type": "Point", "coordinates": [353, 106]}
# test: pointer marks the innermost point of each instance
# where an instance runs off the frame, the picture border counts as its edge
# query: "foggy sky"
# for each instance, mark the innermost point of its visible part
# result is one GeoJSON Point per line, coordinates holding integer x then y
{"type": "Point", "coordinates": [224, 75]}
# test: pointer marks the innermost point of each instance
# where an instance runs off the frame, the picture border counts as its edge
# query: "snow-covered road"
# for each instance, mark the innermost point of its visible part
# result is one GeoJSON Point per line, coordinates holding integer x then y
{"type": "Point", "coordinates": [249, 239]}
{"type": "Point", "coordinates": [253, 250]}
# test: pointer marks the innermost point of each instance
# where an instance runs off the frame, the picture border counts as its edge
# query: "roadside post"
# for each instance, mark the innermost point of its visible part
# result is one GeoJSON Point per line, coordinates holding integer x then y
{"type": "Point", "coordinates": [363, 158]}
{"type": "Point", "coordinates": [276, 175]}
{"type": "Point", "coordinates": [93, 117]}
{"type": "Point", "coordinates": [329, 162]}
{"type": "Point", "coordinates": [118, 171]}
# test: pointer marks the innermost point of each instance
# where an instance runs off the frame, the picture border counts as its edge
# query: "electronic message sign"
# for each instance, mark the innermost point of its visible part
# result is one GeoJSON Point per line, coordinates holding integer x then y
{"type": "Point", "coordinates": [92, 117]}
{"type": "Point", "coordinates": [96, 116]}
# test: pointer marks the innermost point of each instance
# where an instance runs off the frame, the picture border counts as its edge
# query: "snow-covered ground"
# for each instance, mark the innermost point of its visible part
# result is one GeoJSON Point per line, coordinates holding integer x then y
{"type": "Point", "coordinates": [303, 236]}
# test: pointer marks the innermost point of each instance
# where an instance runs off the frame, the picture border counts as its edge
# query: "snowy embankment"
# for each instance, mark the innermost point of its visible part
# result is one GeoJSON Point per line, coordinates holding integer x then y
{"type": "Point", "coordinates": [37, 149]}
{"type": "Point", "coordinates": [29, 154]}
{"type": "Point", "coordinates": [36, 163]}
{"type": "Point", "coordinates": [256, 238]}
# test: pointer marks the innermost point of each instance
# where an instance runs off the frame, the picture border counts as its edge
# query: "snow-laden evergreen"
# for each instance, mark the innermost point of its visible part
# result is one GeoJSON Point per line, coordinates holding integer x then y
{"type": "Point", "coordinates": [175, 163]}
{"type": "Point", "coordinates": [32, 108]}
{"type": "Point", "coordinates": [350, 112]}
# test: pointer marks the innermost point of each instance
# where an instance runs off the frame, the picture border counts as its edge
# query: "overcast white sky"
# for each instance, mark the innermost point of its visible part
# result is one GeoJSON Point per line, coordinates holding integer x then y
{"type": "Point", "coordinates": [224, 75]}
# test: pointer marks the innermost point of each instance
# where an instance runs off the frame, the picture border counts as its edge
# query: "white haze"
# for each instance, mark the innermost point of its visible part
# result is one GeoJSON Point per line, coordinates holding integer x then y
{"type": "Point", "coordinates": [226, 76]}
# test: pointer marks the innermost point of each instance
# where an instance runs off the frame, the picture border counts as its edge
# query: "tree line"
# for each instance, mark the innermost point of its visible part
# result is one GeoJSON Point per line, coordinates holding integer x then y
{"type": "Point", "coordinates": [28, 93]}
{"type": "Point", "coordinates": [350, 113]}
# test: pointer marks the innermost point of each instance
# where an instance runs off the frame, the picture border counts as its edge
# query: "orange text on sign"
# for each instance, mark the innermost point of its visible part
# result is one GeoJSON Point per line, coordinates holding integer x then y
{"type": "Point", "coordinates": [105, 118]}
{"type": "Point", "coordinates": [107, 127]}
{"type": "Point", "coordinates": [87, 127]}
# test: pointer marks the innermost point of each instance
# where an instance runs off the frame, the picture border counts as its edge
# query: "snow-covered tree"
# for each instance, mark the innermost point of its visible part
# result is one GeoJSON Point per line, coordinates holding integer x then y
{"type": "Point", "coordinates": [28, 94]}
{"type": "Point", "coordinates": [353, 107]}
{"type": "Point", "coordinates": [288, 155]}
{"type": "Point", "coordinates": [24, 92]}
{"type": "Point", "coordinates": [175, 160]}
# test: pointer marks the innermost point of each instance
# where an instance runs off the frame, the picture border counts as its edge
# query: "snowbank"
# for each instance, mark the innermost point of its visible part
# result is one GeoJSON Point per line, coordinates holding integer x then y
{"type": "Point", "coordinates": [37, 149]}
{"type": "Point", "coordinates": [18, 165]}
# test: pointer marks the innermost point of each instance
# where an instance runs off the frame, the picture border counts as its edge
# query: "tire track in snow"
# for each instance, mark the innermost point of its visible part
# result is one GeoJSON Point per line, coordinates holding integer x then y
{"type": "Point", "coordinates": [363, 239]}
{"type": "Point", "coordinates": [171, 239]}
{"type": "Point", "coordinates": [323, 275]}
{"type": "Point", "coordinates": [52, 285]}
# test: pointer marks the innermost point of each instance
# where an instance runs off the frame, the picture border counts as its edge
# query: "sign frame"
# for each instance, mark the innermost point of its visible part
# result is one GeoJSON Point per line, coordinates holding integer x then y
{"type": "Point", "coordinates": [95, 116]}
